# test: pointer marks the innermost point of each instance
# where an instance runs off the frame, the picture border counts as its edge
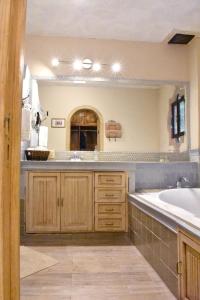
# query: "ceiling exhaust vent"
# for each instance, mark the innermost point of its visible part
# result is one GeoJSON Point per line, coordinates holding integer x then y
{"type": "Point", "coordinates": [181, 39]}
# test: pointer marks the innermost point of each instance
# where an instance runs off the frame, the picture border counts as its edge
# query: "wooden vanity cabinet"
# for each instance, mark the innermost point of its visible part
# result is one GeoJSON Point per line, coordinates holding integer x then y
{"type": "Point", "coordinates": [189, 266]}
{"type": "Point", "coordinates": [76, 202]}
{"type": "Point", "coordinates": [59, 202]}
{"type": "Point", "coordinates": [43, 202]}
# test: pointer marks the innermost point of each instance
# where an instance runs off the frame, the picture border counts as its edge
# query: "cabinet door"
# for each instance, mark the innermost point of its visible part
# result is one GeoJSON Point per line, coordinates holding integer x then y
{"type": "Point", "coordinates": [189, 275]}
{"type": "Point", "coordinates": [43, 202]}
{"type": "Point", "coordinates": [77, 202]}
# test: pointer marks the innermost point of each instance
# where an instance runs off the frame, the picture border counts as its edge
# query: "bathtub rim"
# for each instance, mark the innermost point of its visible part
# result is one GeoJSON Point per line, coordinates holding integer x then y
{"type": "Point", "coordinates": [170, 221]}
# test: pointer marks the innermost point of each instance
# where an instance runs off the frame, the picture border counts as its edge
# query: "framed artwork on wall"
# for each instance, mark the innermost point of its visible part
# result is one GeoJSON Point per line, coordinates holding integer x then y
{"type": "Point", "coordinates": [58, 123]}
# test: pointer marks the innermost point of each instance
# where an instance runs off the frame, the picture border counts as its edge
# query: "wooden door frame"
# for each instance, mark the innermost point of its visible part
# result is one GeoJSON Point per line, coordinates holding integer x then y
{"type": "Point", "coordinates": [12, 27]}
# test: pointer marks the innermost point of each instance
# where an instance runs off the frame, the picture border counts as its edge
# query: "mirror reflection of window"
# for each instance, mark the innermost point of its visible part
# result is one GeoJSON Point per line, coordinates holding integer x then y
{"type": "Point", "coordinates": [178, 117]}
{"type": "Point", "coordinates": [182, 115]}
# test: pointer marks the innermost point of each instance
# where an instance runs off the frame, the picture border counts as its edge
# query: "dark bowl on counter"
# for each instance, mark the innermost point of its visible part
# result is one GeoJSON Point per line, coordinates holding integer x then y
{"type": "Point", "coordinates": [37, 154]}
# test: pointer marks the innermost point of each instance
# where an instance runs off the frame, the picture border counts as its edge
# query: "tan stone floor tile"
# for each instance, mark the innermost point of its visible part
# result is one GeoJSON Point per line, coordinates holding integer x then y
{"type": "Point", "coordinates": [44, 283]}
{"type": "Point", "coordinates": [95, 273]}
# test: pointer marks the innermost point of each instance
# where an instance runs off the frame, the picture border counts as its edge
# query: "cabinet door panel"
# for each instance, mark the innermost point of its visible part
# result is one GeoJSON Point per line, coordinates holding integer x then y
{"type": "Point", "coordinates": [77, 202]}
{"type": "Point", "coordinates": [192, 263]}
{"type": "Point", "coordinates": [43, 203]}
{"type": "Point", "coordinates": [189, 275]}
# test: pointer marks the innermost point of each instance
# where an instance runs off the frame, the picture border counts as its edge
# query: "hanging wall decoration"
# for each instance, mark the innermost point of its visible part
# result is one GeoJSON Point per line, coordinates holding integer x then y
{"type": "Point", "coordinates": [113, 130]}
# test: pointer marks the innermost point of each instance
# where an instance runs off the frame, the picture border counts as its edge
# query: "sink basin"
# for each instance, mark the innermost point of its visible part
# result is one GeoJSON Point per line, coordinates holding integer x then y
{"type": "Point", "coordinates": [75, 159]}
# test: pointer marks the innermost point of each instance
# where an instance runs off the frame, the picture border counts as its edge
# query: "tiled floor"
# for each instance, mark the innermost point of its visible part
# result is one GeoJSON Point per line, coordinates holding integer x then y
{"type": "Point", "coordinates": [95, 273]}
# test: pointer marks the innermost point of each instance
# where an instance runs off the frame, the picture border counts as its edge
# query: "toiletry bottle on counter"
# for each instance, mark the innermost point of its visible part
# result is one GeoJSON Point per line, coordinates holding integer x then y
{"type": "Point", "coordinates": [96, 154]}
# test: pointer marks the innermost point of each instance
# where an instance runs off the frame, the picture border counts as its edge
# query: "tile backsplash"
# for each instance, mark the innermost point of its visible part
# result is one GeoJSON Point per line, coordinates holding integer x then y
{"type": "Point", "coordinates": [124, 156]}
{"type": "Point", "coordinates": [161, 176]}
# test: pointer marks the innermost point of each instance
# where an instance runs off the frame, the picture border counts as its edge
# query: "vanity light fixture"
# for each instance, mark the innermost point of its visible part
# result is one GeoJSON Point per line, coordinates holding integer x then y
{"type": "Point", "coordinates": [116, 67]}
{"type": "Point", "coordinates": [86, 64]}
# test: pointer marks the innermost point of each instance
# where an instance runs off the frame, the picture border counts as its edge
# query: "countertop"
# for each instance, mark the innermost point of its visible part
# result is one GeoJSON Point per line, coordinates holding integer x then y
{"type": "Point", "coordinates": [92, 164]}
{"type": "Point", "coordinates": [77, 165]}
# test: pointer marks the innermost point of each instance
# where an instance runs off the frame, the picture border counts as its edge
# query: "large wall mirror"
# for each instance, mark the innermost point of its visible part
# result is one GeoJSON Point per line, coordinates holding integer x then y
{"type": "Point", "coordinates": [143, 111]}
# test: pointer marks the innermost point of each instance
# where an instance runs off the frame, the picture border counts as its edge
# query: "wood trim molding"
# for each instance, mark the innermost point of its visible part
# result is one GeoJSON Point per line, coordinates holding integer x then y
{"type": "Point", "coordinates": [12, 24]}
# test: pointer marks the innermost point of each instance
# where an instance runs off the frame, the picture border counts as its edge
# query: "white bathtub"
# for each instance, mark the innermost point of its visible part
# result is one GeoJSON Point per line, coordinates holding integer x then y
{"type": "Point", "coordinates": [181, 203]}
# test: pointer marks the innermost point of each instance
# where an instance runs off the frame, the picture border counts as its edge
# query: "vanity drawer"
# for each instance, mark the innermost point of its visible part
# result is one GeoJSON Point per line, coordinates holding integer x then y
{"type": "Point", "coordinates": [110, 195]}
{"type": "Point", "coordinates": [110, 224]}
{"type": "Point", "coordinates": [110, 209]}
{"type": "Point", "coordinates": [112, 179]}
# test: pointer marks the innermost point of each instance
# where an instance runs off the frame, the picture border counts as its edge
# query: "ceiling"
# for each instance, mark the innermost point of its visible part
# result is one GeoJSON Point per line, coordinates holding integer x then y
{"type": "Point", "coordinates": [133, 20]}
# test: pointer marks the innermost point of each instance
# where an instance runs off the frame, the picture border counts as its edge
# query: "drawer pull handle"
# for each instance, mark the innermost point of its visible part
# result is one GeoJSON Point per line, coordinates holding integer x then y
{"type": "Point", "coordinates": [109, 180]}
{"type": "Point", "coordinates": [109, 195]}
{"type": "Point", "coordinates": [109, 209]}
{"type": "Point", "coordinates": [109, 224]}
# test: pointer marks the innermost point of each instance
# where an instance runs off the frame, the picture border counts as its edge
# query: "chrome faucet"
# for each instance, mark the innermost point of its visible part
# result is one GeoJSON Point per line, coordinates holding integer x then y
{"type": "Point", "coordinates": [180, 181]}
{"type": "Point", "coordinates": [75, 156]}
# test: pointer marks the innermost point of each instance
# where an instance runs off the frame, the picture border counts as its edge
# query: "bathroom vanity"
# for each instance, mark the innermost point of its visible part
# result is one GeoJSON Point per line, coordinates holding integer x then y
{"type": "Point", "coordinates": [76, 201]}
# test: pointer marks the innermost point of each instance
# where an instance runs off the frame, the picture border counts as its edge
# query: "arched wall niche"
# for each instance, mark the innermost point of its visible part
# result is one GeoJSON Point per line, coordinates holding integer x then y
{"type": "Point", "coordinates": [76, 126]}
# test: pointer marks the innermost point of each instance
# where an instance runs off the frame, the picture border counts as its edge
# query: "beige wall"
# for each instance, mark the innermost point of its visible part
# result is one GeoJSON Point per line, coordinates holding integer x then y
{"type": "Point", "coordinates": [166, 95]}
{"type": "Point", "coordinates": [151, 61]}
{"type": "Point", "coordinates": [195, 93]}
{"type": "Point", "coordinates": [136, 110]}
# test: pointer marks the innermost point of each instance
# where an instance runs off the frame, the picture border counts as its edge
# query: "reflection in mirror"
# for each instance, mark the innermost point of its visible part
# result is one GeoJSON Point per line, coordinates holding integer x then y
{"type": "Point", "coordinates": [146, 112]}
{"type": "Point", "coordinates": [84, 127]}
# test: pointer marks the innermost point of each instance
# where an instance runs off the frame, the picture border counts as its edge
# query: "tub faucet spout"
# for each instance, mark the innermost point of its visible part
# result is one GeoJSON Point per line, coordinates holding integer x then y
{"type": "Point", "coordinates": [181, 180]}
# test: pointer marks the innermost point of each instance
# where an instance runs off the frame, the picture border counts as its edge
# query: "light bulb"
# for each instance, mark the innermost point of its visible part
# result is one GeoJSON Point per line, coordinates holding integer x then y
{"type": "Point", "coordinates": [55, 62]}
{"type": "Point", "coordinates": [77, 65]}
{"type": "Point", "coordinates": [96, 67]}
{"type": "Point", "coordinates": [116, 67]}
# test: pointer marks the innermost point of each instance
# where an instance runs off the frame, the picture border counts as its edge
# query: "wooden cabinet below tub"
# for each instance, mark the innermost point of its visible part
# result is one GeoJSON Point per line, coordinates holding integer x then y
{"type": "Point", "coordinates": [189, 266]}
{"type": "Point", "coordinates": [110, 201]}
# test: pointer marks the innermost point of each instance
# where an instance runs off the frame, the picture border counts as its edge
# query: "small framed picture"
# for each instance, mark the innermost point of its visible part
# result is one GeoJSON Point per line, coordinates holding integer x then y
{"type": "Point", "coordinates": [58, 123]}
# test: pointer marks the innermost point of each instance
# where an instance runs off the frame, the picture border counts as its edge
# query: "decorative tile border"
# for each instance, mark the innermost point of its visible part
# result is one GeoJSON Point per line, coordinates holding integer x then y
{"type": "Point", "coordinates": [195, 155]}
{"type": "Point", "coordinates": [124, 156]}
